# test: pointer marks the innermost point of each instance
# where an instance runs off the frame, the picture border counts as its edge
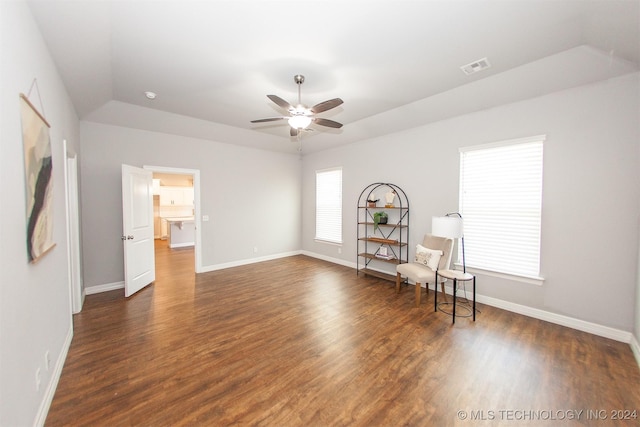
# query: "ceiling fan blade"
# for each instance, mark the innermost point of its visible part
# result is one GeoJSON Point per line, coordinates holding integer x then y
{"type": "Point", "coordinates": [270, 119]}
{"type": "Point", "coordinates": [326, 122]}
{"type": "Point", "coordinates": [326, 105]}
{"type": "Point", "coordinates": [281, 102]}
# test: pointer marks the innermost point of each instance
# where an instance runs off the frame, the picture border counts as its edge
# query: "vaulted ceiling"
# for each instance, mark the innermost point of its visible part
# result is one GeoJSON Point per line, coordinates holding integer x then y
{"type": "Point", "coordinates": [395, 63]}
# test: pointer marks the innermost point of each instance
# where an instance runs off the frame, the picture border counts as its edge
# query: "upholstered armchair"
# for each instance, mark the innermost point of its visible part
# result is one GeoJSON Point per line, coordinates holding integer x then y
{"type": "Point", "coordinates": [434, 253]}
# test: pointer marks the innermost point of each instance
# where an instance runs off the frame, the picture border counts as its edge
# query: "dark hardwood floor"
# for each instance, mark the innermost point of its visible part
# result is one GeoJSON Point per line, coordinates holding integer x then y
{"type": "Point", "coordinates": [303, 342]}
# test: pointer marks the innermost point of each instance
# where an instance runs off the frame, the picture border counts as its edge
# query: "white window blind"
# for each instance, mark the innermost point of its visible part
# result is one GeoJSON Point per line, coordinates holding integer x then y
{"type": "Point", "coordinates": [329, 205]}
{"type": "Point", "coordinates": [501, 203]}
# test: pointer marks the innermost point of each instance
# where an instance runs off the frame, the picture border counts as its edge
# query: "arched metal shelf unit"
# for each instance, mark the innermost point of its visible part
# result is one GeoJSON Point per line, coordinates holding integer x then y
{"type": "Point", "coordinates": [380, 245]}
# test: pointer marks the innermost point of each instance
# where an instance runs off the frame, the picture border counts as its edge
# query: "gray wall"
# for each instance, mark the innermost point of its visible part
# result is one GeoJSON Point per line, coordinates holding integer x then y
{"type": "Point", "coordinates": [251, 196]}
{"type": "Point", "coordinates": [591, 193]}
{"type": "Point", "coordinates": [35, 309]}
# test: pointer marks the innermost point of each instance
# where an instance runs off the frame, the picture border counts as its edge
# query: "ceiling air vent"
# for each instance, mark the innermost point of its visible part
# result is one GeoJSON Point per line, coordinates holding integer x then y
{"type": "Point", "coordinates": [476, 66]}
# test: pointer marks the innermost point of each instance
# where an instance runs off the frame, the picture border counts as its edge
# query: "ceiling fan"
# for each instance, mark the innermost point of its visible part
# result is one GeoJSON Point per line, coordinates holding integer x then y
{"type": "Point", "coordinates": [300, 116]}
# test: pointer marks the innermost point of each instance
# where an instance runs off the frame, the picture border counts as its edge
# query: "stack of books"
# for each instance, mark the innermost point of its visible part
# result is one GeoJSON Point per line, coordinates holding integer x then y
{"type": "Point", "coordinates": [385, 257]}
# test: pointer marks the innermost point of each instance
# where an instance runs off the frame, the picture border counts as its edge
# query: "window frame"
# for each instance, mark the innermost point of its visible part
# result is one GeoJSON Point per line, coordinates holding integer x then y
{"type": "Point", "coordinates": [522, 275]}
{"type": "Point", "coordinates": [335, 210]}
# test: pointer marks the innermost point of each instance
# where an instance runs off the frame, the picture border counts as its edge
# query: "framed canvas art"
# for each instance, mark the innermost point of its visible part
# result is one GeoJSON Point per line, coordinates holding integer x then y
{"type": "Point", "coordinates": [39, 182]}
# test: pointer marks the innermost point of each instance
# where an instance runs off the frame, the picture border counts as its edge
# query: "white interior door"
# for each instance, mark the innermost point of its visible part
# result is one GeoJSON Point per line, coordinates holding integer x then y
{"type": "Point", "coordinates": [137, 226]}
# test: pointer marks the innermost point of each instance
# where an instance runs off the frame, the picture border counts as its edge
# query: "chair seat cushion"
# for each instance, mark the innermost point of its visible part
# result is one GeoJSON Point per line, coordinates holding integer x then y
{"type": "Point", "coordinates": [417, 272]}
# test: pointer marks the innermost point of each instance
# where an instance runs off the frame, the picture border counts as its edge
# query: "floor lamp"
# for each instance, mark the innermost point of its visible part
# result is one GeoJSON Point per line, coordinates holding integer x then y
{"type": "Point", "coordinates": [452, 226]}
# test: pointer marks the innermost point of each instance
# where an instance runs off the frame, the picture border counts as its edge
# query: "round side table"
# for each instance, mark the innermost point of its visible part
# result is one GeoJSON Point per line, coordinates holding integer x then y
{"type": "Point", "coordinates": [456, 276]}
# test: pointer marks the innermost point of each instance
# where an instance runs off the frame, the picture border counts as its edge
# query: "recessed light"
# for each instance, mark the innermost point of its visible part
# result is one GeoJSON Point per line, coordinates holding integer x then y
{"type": "Point", "coordinates": [150, 95]}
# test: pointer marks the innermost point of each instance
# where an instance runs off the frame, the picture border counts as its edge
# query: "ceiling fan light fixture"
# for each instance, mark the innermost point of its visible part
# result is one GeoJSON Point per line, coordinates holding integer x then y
{"type": "Point", "coordinates": [299, 122]}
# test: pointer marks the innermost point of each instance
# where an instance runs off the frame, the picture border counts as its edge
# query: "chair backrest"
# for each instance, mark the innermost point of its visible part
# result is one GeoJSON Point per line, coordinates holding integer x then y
{"type": "Point", "coordinates": [444, 244]}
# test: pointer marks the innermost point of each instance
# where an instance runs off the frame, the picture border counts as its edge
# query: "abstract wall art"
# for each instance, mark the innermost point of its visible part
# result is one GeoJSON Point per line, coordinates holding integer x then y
{"type": "Point", "coordinates": [39, 182]}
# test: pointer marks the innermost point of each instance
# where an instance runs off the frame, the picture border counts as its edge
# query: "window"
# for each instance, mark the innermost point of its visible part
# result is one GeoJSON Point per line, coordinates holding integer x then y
{"type": "Point", "coordinates": [329, 205]}
{"type": "Point", "coordinates": [501, 203]}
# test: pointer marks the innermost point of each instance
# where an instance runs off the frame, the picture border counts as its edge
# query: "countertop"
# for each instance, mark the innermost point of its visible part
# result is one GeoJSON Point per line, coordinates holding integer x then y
{"type": "Point", "coordinates": [178, 218]}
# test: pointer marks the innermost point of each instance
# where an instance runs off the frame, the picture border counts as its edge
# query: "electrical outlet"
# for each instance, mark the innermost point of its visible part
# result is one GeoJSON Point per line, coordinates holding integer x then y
{"type": "Point", "coordinates": [339, 250]}
{"type": "Point", "coordinates": [38, 379]}
{"type": "Point", "coordinates": [47, 360]}
{"type": "Point", "coordinates": [255, 249]}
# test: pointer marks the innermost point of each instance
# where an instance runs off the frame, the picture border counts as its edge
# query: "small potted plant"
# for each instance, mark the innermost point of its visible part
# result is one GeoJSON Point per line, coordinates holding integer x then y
{"type": "Point", "coordinates": [379, 218]}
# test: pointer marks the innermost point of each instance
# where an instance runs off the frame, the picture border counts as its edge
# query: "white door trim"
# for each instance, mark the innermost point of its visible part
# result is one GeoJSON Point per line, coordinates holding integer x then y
{"type": "Point", "coordinates": [195, 173]}
{"type": "Point", "coordinates": [74, 266]}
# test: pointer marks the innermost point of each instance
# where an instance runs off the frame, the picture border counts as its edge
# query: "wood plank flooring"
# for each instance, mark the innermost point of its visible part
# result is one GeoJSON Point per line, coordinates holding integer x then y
{"type": "Point", "coordinates": [303, 342]}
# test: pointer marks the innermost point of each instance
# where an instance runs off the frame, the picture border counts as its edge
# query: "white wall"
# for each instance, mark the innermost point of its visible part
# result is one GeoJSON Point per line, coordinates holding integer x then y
{"type": "Point", "coordinates": [251, 196]}
{"type": "Point", "coordinates": [35, 309]}
{"type": "Point", "coordinates": [591, 199]}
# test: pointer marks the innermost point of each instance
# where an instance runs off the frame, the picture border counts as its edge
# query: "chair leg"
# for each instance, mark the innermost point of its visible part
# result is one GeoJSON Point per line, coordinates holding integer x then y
{"type": "Point", "coordinates": [418, 294]}
{"type": "Point", "coordinates": [398, 280]}
{"type": "Point", "coordinates": [444, 294]}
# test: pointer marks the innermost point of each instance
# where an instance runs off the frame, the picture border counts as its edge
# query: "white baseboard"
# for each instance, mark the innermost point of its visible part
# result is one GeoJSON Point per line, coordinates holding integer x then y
{"type": "Point", "coordinates": [559, 319]}
{"type": "Point", "coordinates": [104, 288]}
{"type": "Point", "coordinates": [181, 245]}
{"type": "Point", "coordinates": [330, 259]}
{"type": "Point", "coordinates": [248, 261]}
{"type": "Point", "coordinates": [547, 316]}
{"type": "Point", "coordinates": [50, 392]}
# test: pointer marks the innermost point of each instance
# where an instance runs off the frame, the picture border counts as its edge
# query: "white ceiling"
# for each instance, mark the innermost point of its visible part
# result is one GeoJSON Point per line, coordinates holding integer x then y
{"type": "Point", "coordinates": [395, 63]}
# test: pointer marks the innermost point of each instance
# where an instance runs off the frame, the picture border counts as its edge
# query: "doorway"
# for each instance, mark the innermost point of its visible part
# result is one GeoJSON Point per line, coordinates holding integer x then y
{"type": "Point", "coordinates": [175, 213]}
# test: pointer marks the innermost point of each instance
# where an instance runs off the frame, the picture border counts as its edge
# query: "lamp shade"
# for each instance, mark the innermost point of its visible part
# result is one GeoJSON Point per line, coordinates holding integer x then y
{"type": "Point", "coordinates": [299, 122]}
{"type": "Point", "coordinates": [447, 226]}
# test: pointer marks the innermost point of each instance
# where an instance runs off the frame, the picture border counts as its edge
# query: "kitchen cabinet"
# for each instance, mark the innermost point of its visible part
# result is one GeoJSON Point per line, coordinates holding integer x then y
{"type": "Point", "coordinates": [176, 196]}
{"type": "Point", "coordinates": [181, 231]}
